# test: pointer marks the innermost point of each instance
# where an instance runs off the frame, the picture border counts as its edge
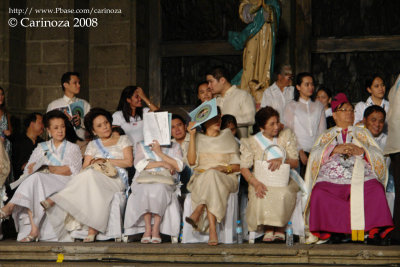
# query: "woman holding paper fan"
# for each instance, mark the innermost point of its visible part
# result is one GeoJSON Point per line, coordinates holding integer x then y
{"type": "Point", "coordinates": [62, 159]}
{"type": "Point", "coordinates": [269, 207]}
{"type": "Point", "coordinates": [153, 206]}
{"type": "Point", "coordinates": [215, 158]}
{"type": "Point", "coordinates": [129, 114]}
{"type": "Point", "coordinates": [85, 203]}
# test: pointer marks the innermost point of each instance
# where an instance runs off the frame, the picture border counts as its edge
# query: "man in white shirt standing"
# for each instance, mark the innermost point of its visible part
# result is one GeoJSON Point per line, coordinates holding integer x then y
{"type": "Point", "coordinates": [280, 92]}
{"type": "Point", "coordinates": [232, 100]}
{"type": "Point", "coordinates": [70, 84]}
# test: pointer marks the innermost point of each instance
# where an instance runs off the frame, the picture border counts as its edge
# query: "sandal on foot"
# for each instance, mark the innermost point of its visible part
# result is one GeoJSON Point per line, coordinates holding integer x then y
{"type": "Point", "coordinates": [29, 239]}
{"type": "Point", "coordinates": [268, 237]}
{"type": "Point", "coordinates": [156, 240]}
{"type": "Point", "coordinates": [191, 222]}
{"type": "Point", "coordinates": [279, 236]}
{"type": "Point", "coordinates": [213, 242]}
{"type": "Point", "coordinates": [90, 238]}
{"type": "Point", "coordinates": [3, 215]}
{"type": "Point", "coordinates": [145, 240]}
{"type": "Point", "coordinates": [45, 204]}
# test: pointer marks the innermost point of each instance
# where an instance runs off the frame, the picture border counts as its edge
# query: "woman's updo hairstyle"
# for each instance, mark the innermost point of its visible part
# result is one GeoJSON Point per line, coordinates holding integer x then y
{"type": "Point", "coordinates": [54, 114]}
{"type": "Point", "coordinates": [263, 115]}
{"type": "Point", "coordinates": [92, 115]}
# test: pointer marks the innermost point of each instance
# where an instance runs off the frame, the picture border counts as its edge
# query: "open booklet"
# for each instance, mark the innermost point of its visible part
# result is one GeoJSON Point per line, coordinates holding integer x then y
{"type": "Point", "coordinates": [157, 126]}
{"type": "Point", "coordinates": [38, 165]}
{"type": "Point", "coordinates": [76, 108]}
{"type": "Point", "coordinates": [204, 112]}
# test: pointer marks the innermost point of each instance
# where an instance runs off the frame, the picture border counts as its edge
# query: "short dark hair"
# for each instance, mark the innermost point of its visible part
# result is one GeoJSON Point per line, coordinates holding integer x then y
{"type": "Point", "coordinates": [179, 117]}
{"type": "Point", "coordinates": [263, 115]}
{"type": "Point", "coordinates": [66, 77]}
{"type": "Point", "coordinates": [227, 119]}
{"type": "Point", "coordinates": [32, 117]}
{"type": "Point", "coordinates": [200, 83]}
{"type": "Point", "coordinates": [374, 108]}
{"type": "Point", "coordinates": [370, 79]}
{"type": "Point", "coordinates": [93, 114]}
{"type": "Point", "coordinates": [299, 80]}
{"type": "Point", "coordinates": [118, 129]}
{"type": "Point", "coordinates": [325, 89]}
{"type": "Point", "coordinates": [53, 114]}
{"type": "Point", "coordinates": [218, 72]}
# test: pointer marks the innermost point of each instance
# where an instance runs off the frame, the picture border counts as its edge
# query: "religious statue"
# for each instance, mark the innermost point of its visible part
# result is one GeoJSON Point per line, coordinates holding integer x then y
{"type": "Point", "coordinates": [258, 41]}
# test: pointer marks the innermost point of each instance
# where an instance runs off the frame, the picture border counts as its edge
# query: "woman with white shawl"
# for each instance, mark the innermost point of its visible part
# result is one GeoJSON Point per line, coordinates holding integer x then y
{"type": "Point", "coordinates": [61, 158]}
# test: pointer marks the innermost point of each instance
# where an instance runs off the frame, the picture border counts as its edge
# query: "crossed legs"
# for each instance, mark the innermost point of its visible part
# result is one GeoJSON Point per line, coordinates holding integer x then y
{"type": "Point", "coordinates": [34, 234]}
{"type": "Point", "coordinates": [194, 219]}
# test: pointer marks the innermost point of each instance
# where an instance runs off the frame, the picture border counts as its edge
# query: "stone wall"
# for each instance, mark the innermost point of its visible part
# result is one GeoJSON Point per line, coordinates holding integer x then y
{"type": "Point", "coordinates": [112, 53]}
{"type": "Point", "coordinates": [49, 53]}
{"type": "Point", "coordinates": [33, 59]}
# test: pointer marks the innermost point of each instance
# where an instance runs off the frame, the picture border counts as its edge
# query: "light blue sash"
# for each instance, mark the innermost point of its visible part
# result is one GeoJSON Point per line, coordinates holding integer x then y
{"type": "Point", "coordinates": [149, 154]}
{"type": "Point", "coordinates": [50, 153]}
{"type": "Point", "coordinates": [123, 174]}
{"type": "Point", "coordinates": [266, 143]}
{"type": "Point", "coordinates": [275, 153]}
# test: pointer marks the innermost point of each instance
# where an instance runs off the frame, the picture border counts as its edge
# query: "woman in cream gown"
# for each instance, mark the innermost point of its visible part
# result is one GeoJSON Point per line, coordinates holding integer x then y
{"type": "Point", "coordinates": [86, 200]}
{"type": "Point", "coordinates": [269, 207]}
{"type": "Point", "coordinates": [215, 155]}
{"type": "Point", "coordinates": [62, 159]}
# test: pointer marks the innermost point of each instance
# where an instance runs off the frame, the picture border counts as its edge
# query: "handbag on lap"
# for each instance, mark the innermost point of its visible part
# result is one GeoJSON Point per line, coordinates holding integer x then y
{"type": "Point", "coordinates": [161, 177]}
{"type": "Point", "coordinates": [106, 168]}
{"type": "Point", "coordinates": [277, 178]}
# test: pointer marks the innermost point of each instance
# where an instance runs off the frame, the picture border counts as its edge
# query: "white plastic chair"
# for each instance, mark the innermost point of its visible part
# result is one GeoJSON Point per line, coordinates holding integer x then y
{"type": "Point", "coordinates": [226, 229]}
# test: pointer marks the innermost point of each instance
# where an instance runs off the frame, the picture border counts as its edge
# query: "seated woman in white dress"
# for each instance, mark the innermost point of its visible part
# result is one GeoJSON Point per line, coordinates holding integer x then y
{"type": "Point", "coordinates": [215, 155]}
{"type": "Point", "coordinates": [62, 159]}
{"type": "Point", "coordinates": [153, 192]}
{"type": "Point", "coordinates": [269, 207]}
{"type": "Point", "coordinates": [85, 201]}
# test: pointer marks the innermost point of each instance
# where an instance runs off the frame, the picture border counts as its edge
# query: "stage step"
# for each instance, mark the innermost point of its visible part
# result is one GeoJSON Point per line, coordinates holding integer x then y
{"type": "Point", "coordinates": [341, 254]}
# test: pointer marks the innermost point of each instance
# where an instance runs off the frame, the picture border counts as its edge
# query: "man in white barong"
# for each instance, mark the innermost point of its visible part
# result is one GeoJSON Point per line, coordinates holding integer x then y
{"type": "Point", "coordinates": [232, 100]}
{"type": "Point", "coordinates": [280, 92]}
{"type": "Point", "coordinates": [70, 84]}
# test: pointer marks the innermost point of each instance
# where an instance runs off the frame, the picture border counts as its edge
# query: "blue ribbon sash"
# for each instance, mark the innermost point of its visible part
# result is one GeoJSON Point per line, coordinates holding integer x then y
{"type": "Point", "coordinates": [123, 174]}
{"type": "Point", "coordinates": [50, 154]}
